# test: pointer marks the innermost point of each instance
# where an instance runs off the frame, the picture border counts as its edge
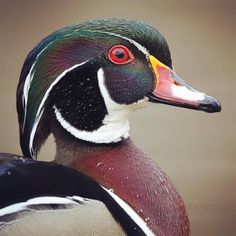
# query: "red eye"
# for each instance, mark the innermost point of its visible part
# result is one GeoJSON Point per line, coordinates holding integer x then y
{"type": "Point", "coordinates": [120, 54]}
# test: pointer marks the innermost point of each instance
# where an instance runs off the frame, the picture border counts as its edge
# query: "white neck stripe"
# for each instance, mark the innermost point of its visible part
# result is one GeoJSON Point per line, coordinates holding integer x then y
{"type": "Point", "coordinates": [40, 109]}
{"type": "Point", "coordinates": [132, 214]}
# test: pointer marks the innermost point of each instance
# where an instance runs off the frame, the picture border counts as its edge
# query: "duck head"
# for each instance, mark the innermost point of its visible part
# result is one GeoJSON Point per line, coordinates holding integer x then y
{"type": "Point", "coordinates": [88, 77]}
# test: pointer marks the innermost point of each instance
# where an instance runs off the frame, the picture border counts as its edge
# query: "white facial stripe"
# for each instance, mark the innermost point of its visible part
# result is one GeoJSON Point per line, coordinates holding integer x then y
{"type": "Point", "coordinates": [33, 131]}
{"type": "Point", "coordinates": [27, 83]}
{"type": "Point", "coordinates": [132, 214]}
{"type": "Point", "coordinates": [40, 109]}
{"type": "Point", "coordinates": [186, 94]}
{"type": "Point", "coordinates": [26, 88]}
{"type": "Point", "coordinates": [41, 201]}
{"type": "Point", "coordinates": [136, 44]}
{"type": "Point", "coordinates": [113, 108]}
{"type": "Point", "coordinates": [39, 112]}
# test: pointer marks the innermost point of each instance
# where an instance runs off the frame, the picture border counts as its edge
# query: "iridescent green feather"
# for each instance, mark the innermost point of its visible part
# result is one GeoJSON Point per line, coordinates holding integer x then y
{"type": "Point", "coordinates": [62, 50]}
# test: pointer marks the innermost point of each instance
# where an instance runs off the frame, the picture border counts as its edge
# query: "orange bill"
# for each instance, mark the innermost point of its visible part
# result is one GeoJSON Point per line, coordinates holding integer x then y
{"type": "Point", "coordinates": [172, 90]}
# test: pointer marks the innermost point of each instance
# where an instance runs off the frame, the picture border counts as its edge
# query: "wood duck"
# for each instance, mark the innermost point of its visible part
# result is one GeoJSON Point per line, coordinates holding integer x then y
{"type": "Point", "coordinates": [80, 84]}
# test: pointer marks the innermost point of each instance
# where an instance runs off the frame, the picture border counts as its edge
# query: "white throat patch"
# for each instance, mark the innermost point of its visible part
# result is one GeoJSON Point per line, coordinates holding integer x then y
{"type": "Point", "coordinates": [115, 124]}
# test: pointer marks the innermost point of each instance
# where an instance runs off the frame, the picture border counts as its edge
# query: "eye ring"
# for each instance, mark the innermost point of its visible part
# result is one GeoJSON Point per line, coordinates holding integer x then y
{"type": "Point", "coordinates": [120, 55]}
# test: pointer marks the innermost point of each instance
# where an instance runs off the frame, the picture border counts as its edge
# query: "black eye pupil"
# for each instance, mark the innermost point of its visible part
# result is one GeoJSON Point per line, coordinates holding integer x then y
{"type": "Point", "coordinates": [119, 54]}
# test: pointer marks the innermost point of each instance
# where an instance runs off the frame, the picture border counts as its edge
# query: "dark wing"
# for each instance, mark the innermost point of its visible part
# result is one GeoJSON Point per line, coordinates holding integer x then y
{"type": "Point", "coordinates": [40, 197]}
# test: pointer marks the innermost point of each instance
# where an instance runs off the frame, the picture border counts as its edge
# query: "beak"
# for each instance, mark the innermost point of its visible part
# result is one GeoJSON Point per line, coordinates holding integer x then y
{"type": "Point", "coordinates": [172, 90]}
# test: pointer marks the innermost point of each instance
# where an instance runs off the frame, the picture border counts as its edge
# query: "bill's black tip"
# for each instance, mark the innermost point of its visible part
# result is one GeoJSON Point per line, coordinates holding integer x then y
{"type": "Point", "coordinates": [210, 105]}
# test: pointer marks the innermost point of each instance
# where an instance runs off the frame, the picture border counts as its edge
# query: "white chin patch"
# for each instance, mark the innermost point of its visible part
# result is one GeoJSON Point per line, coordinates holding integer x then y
{"type": "Point", "coordinates": [115, 124]}
{"type": "Point", "coordinates": [110, 131]}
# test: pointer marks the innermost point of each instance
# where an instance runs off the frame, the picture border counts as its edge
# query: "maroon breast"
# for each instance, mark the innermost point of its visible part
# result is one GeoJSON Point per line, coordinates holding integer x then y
{"type": "Point", "coordinates": [137, 180]}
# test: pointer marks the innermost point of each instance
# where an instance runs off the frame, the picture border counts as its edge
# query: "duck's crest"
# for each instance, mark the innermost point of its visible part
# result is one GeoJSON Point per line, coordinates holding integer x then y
{"type": "Point", "coordinates": [58, 54]}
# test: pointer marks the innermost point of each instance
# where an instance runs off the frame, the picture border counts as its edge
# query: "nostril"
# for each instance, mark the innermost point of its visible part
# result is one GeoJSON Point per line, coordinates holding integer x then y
{"type": "Point", "coordinates": [177, 83]}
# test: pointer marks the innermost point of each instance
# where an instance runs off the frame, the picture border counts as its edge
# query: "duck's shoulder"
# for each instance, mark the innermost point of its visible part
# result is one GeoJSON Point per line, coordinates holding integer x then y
{"type": "Point", "coordinates": [55, 198]}
{"type": "Point", "coordinates": [22, 178]}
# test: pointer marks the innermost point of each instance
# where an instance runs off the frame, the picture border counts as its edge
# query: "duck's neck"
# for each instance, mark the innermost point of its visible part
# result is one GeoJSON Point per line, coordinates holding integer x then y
{"type": "Point", "coordinates": [132, 176]}
{"type": "Point", "coordinates": [70, 150]}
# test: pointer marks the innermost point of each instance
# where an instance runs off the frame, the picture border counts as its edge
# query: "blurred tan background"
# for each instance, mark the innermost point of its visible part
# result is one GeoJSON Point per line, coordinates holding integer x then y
{"type": "Point", "coordinates": [197, 150]}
